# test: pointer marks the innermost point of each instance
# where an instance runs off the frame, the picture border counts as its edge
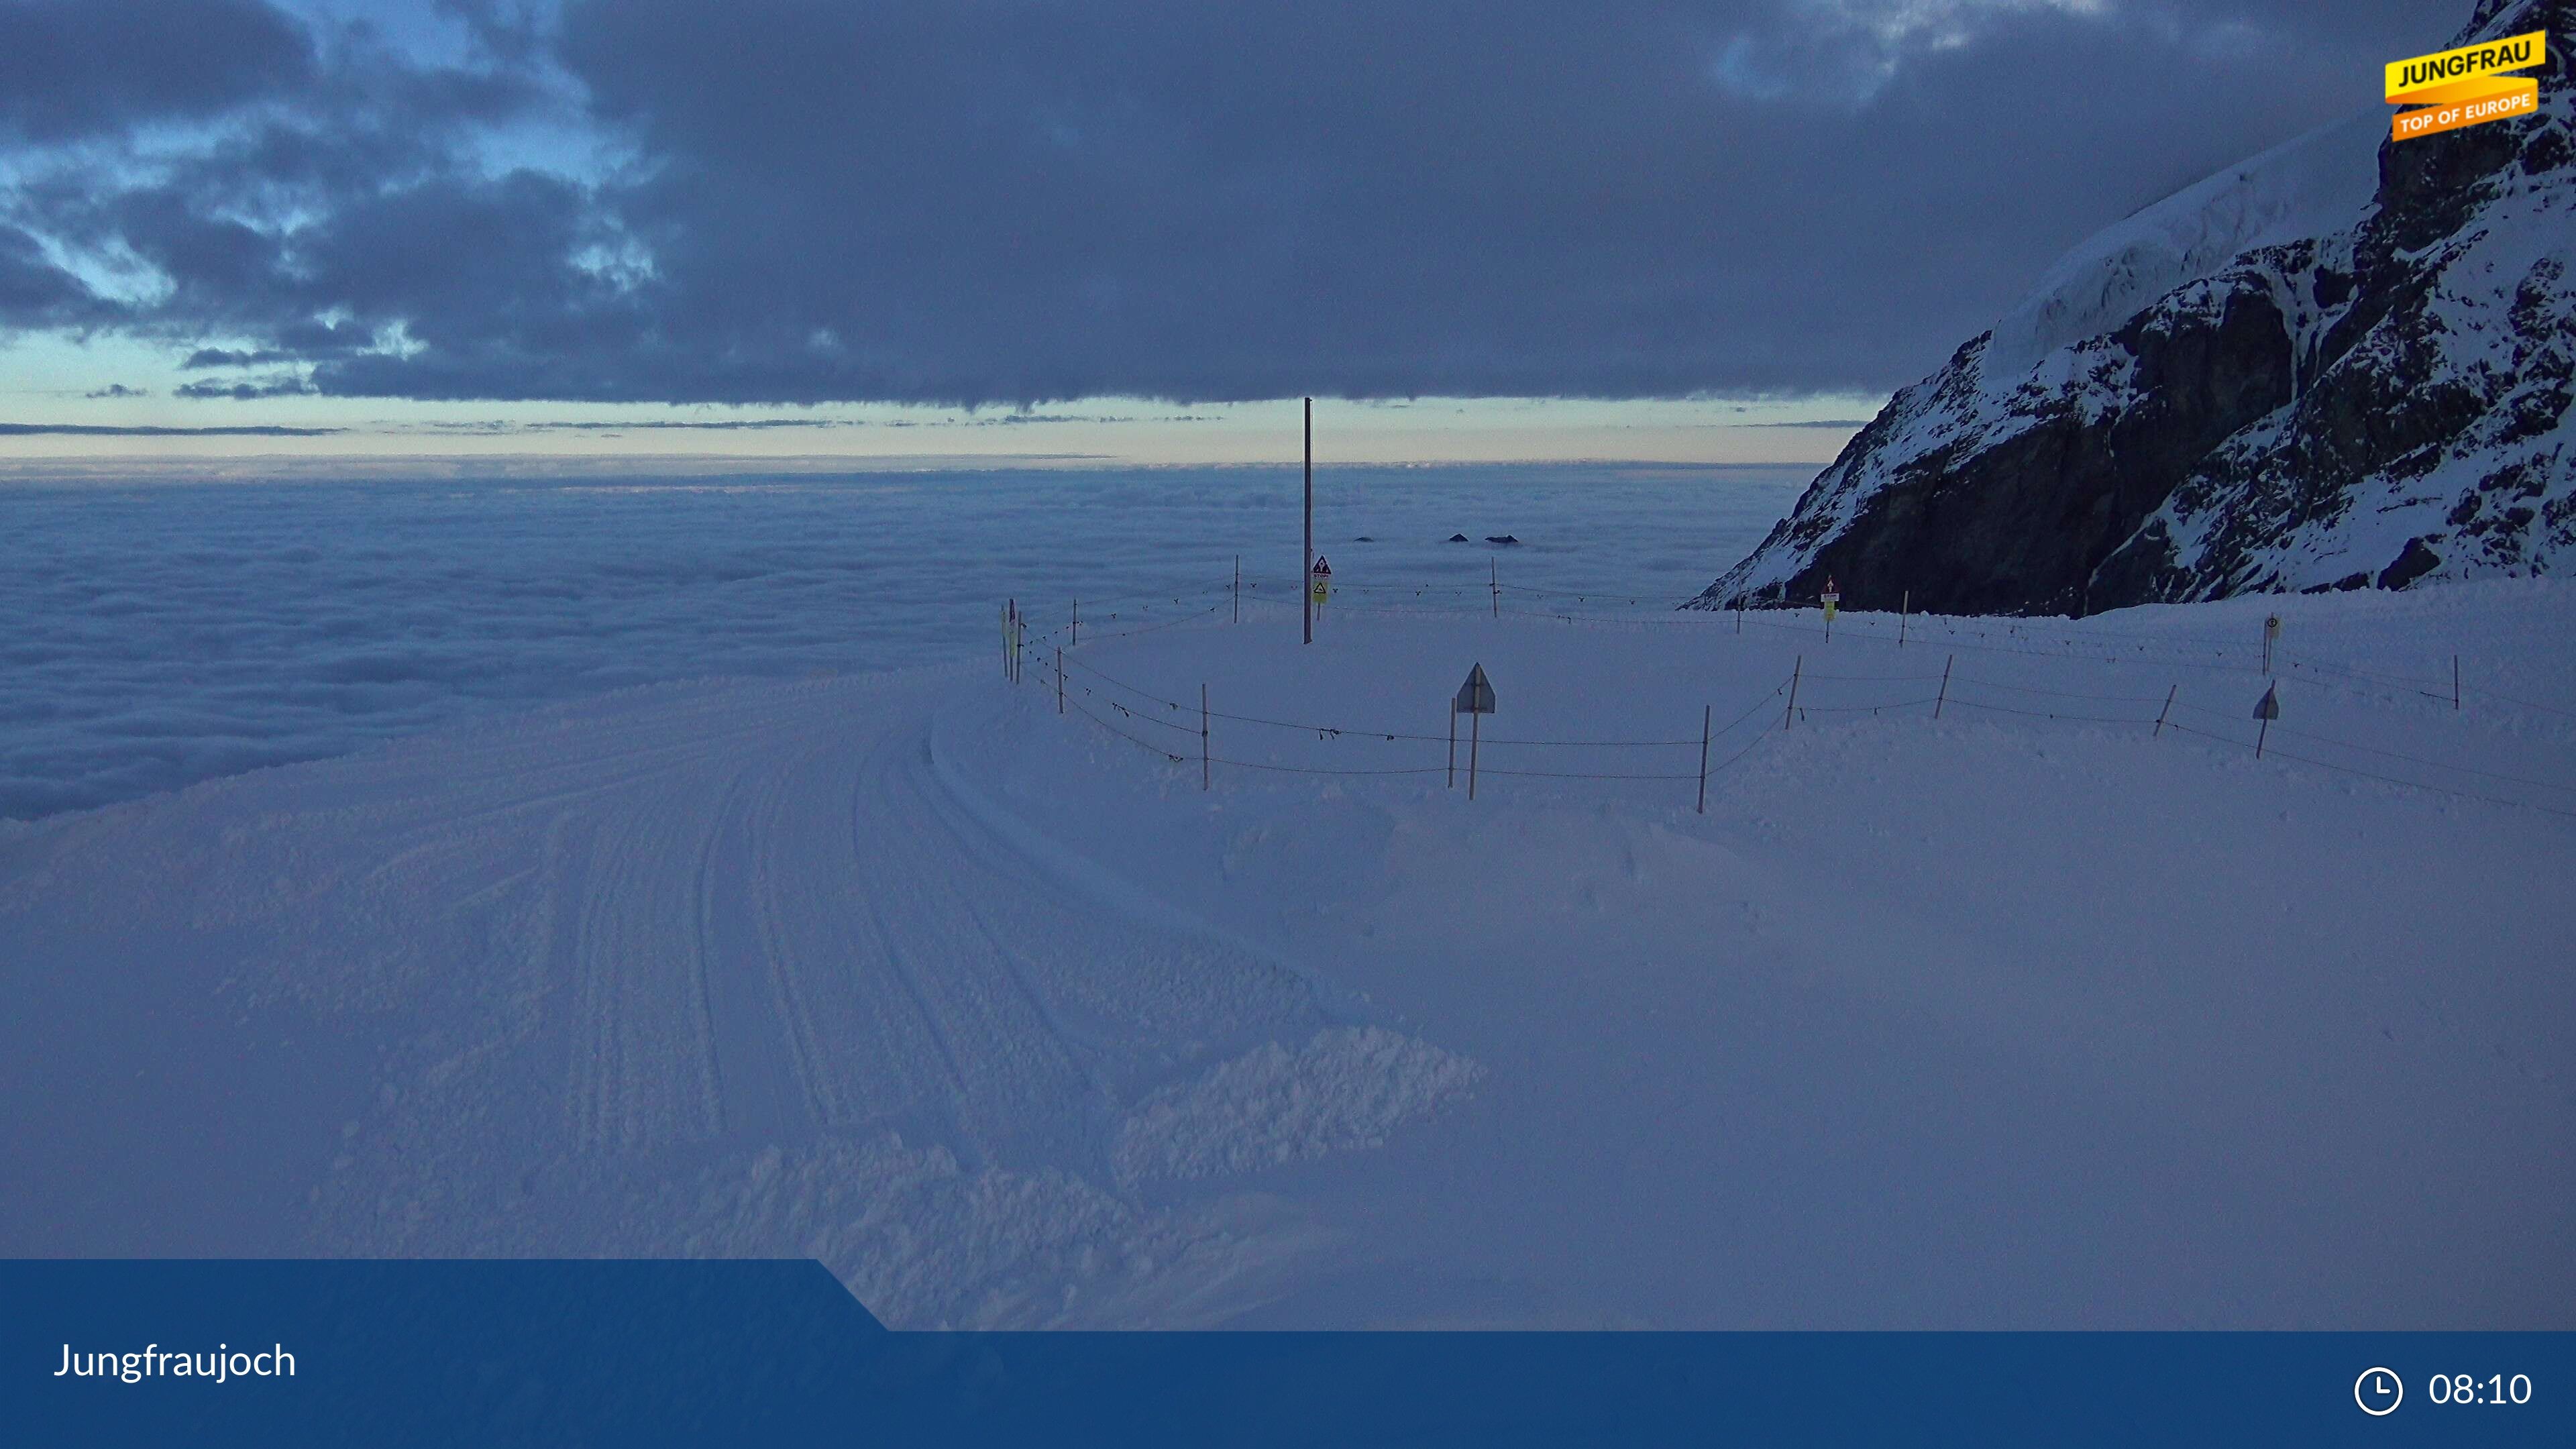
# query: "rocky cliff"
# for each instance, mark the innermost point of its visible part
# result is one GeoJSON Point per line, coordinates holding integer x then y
{"type": "Point", "coordinates": [2344, 363]}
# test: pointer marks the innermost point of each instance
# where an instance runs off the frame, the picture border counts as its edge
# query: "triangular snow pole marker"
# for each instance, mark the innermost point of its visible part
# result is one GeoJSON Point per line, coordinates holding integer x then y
{"type": "Point", "coordinates": [1475, 700]}
{"type": "Point", "coordinates": [1476, 696]}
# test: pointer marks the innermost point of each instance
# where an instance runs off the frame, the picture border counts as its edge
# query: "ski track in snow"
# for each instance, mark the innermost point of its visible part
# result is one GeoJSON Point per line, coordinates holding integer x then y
{"type": "Point", "coordinates": [735, 933]}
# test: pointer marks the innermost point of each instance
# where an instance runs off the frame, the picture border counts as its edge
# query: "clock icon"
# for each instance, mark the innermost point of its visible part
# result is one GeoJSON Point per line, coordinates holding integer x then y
{"type": "Point", "coordinates": [2378, 1391]}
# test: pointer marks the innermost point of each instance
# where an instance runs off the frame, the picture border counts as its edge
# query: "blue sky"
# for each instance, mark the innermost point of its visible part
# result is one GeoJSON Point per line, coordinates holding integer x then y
{"type": "Point", "coordinates": [1709, 231]}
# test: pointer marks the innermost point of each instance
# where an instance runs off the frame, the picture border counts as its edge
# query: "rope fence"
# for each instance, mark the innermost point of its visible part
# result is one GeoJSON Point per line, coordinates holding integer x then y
{"type": "Point", "coordinates": [1096, 694]}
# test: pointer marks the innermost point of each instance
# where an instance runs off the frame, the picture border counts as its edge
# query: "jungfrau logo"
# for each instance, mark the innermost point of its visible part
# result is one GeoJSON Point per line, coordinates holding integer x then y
{"type": "Point", "coordinates": [2465, 87]}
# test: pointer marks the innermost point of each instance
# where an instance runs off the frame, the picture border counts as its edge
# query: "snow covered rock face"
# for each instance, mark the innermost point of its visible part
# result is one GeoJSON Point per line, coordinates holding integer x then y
{"type": "Point", "coordinates": [2308, 372]}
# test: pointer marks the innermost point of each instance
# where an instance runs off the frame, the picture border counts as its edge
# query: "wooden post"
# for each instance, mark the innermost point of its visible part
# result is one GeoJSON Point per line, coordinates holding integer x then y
{"type": "Point", "coordinates": [1011, 640]}
{"type": "Point", "coordinates": [2168, 709]}
{"type": "Point", "coordinates": [1453, 744]}
{"type": "Point", "coordinates": [1703, 758]}
{"type": "Point", "coordinates": [1059, 679]}
{"type": "Point", "coordinates": [1497, 585]}
{"type": "Point", "coordinates": [1944, 697]}
{"type": "Point", "coordinates": [1077, 621]}
{"type": "Point", "coordinates": [1306, 580]}
{"type": "Point", "coordinates": [1904, 607]}
{"type": "Point", "coordinates": [1475, 731]}
{"type": "Point", "coordinates": [2455, 684]}
{"type": "Point", "coordinates": [1792, 712]}
{"type": "Point", "coordinates": [1203, 737]}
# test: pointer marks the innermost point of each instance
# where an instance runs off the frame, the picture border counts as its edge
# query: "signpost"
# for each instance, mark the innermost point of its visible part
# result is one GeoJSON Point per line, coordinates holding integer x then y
{"type": "Point", "coordinates": [2271, 635]}
{"type": "Point", "coordinates": [1831, 599]}
{"type": "Point", "coordinates": [1310, 515]}
{"type": "Point", "coordinates": [1319, 588]}
{"type": "Point", "coordinates": [1475, 700]}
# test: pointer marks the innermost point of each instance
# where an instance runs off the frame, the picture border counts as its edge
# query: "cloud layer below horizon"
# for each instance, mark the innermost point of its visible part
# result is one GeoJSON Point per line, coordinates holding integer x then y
{"type": "Point", "coordinates": [785, 202]}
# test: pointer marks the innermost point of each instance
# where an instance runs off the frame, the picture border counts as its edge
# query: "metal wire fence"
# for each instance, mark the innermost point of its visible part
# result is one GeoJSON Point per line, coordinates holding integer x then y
{"type": "Point", "coordinates": [1177, 730]}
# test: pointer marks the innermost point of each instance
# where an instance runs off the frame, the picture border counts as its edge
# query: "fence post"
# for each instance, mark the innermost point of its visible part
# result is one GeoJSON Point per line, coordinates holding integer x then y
{"type": "Point", "coordinates": [1739, 614]}
{"type": "Point", "coordinates": [1236, 593]}
{"type": "Point", "coordinates": [1498, 595]}
{"type": "Point", "coordinates": [1059, 679]}
{"type": "Point", "coordinates": [2455, 684]}
{"type": "Point", "coordinates": [1453, 744]}
{"type": "Point", "coordinates": [1077, 621]}
{"type": "Point", "coordinates": [1904, 607]}
{"type": "Point", "coordinates": [1703, 758]}
{"type": "Point", "coordinates": [1203, 737]}
{"type": "Point", "coordinates": [1792, 712]}
{"type": "Point", "coordinates": [1944, 697]}
{"type": "Point", "coordinates": [1475, 732]}
{"type": "Point", "coordinates": [2168, 709]}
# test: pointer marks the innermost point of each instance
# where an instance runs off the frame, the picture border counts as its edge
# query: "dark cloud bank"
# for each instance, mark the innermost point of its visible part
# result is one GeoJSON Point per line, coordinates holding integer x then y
{"type": "Point", "coordinates": [1012, 203]}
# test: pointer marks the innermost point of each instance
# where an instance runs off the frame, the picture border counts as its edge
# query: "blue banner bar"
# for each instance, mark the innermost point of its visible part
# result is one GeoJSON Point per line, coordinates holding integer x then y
{"type": "Point", "coordinates": [402, 1353]}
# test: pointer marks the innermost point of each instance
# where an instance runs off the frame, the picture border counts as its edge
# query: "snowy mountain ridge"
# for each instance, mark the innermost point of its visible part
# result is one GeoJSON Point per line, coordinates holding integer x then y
{"type": "Point", "coordinates": [2330, 366]}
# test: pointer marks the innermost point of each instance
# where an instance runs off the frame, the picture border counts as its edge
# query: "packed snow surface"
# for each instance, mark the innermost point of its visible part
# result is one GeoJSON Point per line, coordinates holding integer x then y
{"type": "Point", "coordinates": [2028, 1015]}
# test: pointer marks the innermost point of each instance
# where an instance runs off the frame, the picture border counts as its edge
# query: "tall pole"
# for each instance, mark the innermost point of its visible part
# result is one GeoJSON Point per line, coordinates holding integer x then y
{"type": "Point", "coordinates": [1306, 580]}
{"type": "Point", "coordinates": [1453, 746]}
{"type": "Point", "coordinates": [1475, 733]}
{"type": "Point", "coordinates": [1203, 737]}
{"type": "Point", "coordinates": [1703, 758]}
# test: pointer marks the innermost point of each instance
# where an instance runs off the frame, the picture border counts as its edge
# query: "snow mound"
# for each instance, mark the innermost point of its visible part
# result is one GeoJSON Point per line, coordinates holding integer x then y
{"type": "Point", "coordinates": [929, 1243]}
{"type": "Point", "coordinates": [1347, 1088]}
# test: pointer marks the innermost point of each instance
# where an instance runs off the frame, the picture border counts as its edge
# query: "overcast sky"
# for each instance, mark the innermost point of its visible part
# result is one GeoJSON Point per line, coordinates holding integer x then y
{"type": "Point", "coordinates": [463, 224]}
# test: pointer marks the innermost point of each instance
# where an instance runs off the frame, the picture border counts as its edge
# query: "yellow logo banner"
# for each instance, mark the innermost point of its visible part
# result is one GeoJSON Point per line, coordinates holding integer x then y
{"type": "Point", "coordinates": [2466, 87]}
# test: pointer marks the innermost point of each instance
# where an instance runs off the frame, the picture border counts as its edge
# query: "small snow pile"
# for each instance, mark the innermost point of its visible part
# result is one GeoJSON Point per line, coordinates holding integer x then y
{"type": "Point", "coordinates": [929, 1243]}
{"type": "Point", "coordinates": [1347, 1088]}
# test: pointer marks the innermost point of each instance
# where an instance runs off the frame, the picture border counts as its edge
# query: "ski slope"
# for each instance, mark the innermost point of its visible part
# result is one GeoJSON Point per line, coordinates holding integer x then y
{"type": "Point", "coordinates": [1992, 1020]}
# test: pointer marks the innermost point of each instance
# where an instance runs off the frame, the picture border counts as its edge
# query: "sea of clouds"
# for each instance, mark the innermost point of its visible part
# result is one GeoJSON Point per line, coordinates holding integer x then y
{"type": "Point", "coordinates": [163, 633]}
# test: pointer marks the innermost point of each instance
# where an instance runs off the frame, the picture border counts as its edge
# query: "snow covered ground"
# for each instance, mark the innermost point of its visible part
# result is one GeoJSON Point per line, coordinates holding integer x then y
{"type": "Point", "coordinates": [1995, 1020]}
